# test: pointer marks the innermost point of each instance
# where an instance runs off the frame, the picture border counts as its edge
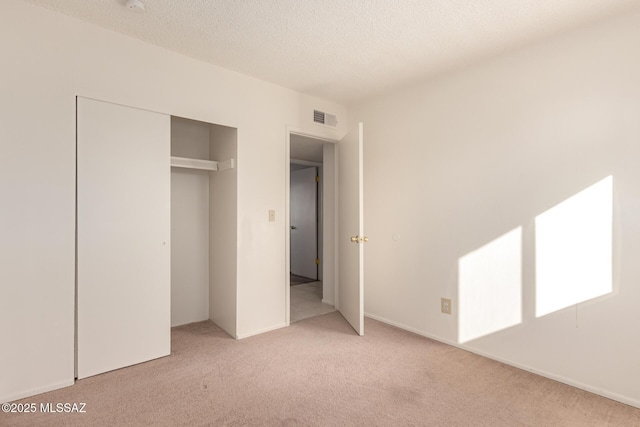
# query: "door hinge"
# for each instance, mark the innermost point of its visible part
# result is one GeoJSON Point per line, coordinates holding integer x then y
{"type": "Point", "coordinates": [317, 261]}
{"type": "Point", "coordinates": [317, 179]}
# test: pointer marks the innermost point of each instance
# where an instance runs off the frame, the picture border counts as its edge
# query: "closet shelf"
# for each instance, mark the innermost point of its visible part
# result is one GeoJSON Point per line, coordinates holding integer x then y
{"type": "Point", "coordinates": [210, 165]}
{"type": "Point", "coordinates": [184, 162]}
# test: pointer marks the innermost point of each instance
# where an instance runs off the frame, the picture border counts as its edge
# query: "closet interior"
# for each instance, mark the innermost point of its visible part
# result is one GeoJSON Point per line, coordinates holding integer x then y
{"type": "Point", "coordinates": [203, 223]}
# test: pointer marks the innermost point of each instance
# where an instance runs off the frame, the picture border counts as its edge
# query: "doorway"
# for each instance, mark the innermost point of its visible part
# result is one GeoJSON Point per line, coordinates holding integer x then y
{"type": "Point", "coordinates": [311, 226]}
{"type": "Point", "coordinates": [343, 277]}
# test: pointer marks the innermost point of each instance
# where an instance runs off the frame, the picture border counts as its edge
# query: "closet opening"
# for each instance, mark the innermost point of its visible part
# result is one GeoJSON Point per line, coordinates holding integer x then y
{"type": "Point", "coordinates": [311, 227]}
{"type": "Point", "coordinates": [156, 232]}
{"type": "Point", "coordinates": [203, 223]}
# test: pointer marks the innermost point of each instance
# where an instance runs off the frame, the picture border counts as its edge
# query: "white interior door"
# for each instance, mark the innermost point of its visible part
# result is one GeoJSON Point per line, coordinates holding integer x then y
{"type": "Point", "coordinates": [351, 229]}
{"type": "Point", "coordinates": [304, 222]}
{"type": "Point", "coordinates": [123, 230]}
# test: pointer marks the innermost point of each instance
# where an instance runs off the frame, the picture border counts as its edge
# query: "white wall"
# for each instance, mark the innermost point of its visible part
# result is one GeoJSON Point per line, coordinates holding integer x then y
{"type": "Point", "coordinates": [452, 164]}
{"type": "Point", "coordinates": [223, 228]}
{"type": "Point", "coordinates": [47, 60]}
{"type": "Point", "coordinates": [189, 224]}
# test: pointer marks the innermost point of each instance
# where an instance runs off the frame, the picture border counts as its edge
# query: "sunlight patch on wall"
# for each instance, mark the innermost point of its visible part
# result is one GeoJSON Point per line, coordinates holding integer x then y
{"type": "Point", "coordinates": [490, 287]}
{"type": "Point", "coordinates": [574, 249]}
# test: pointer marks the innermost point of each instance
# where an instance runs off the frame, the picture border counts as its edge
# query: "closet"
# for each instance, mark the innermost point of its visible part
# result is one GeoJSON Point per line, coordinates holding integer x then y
{"type": "Point", "coordinates": [203, 223]}
{"type": "Point", "coordinates": [124, 280]}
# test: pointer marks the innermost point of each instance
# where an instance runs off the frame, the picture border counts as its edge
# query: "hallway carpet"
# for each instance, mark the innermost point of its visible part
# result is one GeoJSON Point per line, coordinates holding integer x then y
{"type": "Point", "coordinates": [317, 372]}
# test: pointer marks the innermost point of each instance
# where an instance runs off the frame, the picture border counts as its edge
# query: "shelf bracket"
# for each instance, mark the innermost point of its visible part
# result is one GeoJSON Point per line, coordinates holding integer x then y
{"type": "Point", "coordinates": [227, 164]}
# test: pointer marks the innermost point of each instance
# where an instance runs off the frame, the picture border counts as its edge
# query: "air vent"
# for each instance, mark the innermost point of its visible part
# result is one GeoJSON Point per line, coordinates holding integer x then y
{"type": "Point", "coordinates": [326, 119]}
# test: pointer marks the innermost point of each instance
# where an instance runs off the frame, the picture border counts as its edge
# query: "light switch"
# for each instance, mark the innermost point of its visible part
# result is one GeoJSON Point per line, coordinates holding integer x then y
{"type": "Point", "coordinates": [272, 215]}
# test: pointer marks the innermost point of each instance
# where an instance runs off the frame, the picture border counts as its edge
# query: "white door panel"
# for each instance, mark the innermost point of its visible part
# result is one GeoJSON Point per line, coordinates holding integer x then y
{"type": "Point", "coordinates": [304, 233]}
{"type": "Point", "coordinates": [351, 218]}
{"type": "Point", "coordinates": [123, 217]}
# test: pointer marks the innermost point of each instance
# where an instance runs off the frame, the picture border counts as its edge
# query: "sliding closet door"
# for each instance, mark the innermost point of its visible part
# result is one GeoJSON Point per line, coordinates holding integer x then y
{"type": "Point", "coordinates": [123, 265]}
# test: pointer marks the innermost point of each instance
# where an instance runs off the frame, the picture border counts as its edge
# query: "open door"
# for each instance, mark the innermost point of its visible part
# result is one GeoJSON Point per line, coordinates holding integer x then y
{"type": "Point", "coordinates": [304, 222]}
{"type": "Point", "coordinates": [351, 229]}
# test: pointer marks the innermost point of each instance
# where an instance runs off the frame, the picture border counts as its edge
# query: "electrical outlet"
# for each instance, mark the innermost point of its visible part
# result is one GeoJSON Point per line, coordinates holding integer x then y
{"type": "Point", "coordinates": [445, 305]}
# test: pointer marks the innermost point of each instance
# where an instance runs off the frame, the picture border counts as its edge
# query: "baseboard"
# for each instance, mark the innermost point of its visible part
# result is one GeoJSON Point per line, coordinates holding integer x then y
{"type": "Point", "coordinates": [326, 301]}
{"type": "Point", "coordinates": [568, 381]}
{"type": "Point", "coordinates": [261, 331]}
{"type": "Point", "coordinates": [35, 391]}
{"type": "Point", "coordinates": [591, 389]}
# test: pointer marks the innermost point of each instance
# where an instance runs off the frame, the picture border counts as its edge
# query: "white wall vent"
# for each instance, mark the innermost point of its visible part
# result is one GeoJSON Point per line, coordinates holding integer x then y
{"type": "Point", "coordinates": [326, 119]}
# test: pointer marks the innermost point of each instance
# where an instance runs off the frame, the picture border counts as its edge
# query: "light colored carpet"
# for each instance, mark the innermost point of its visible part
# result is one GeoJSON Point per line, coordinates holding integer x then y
{"type": "Point", "coordinates": [317, 372]}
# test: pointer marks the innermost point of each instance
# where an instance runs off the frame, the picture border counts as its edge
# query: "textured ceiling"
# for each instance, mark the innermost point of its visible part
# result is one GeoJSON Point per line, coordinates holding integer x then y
{"type": "Point", "coordinates": [341, 50]}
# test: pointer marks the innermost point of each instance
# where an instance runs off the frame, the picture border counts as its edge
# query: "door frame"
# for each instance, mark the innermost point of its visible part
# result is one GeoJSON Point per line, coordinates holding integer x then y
{"type": "Point", "coordinates": [327, 271]}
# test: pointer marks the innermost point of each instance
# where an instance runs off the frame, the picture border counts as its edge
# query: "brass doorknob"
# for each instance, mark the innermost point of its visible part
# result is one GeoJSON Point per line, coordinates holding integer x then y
{"type": "Point", "coordinates": [355, 239]}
